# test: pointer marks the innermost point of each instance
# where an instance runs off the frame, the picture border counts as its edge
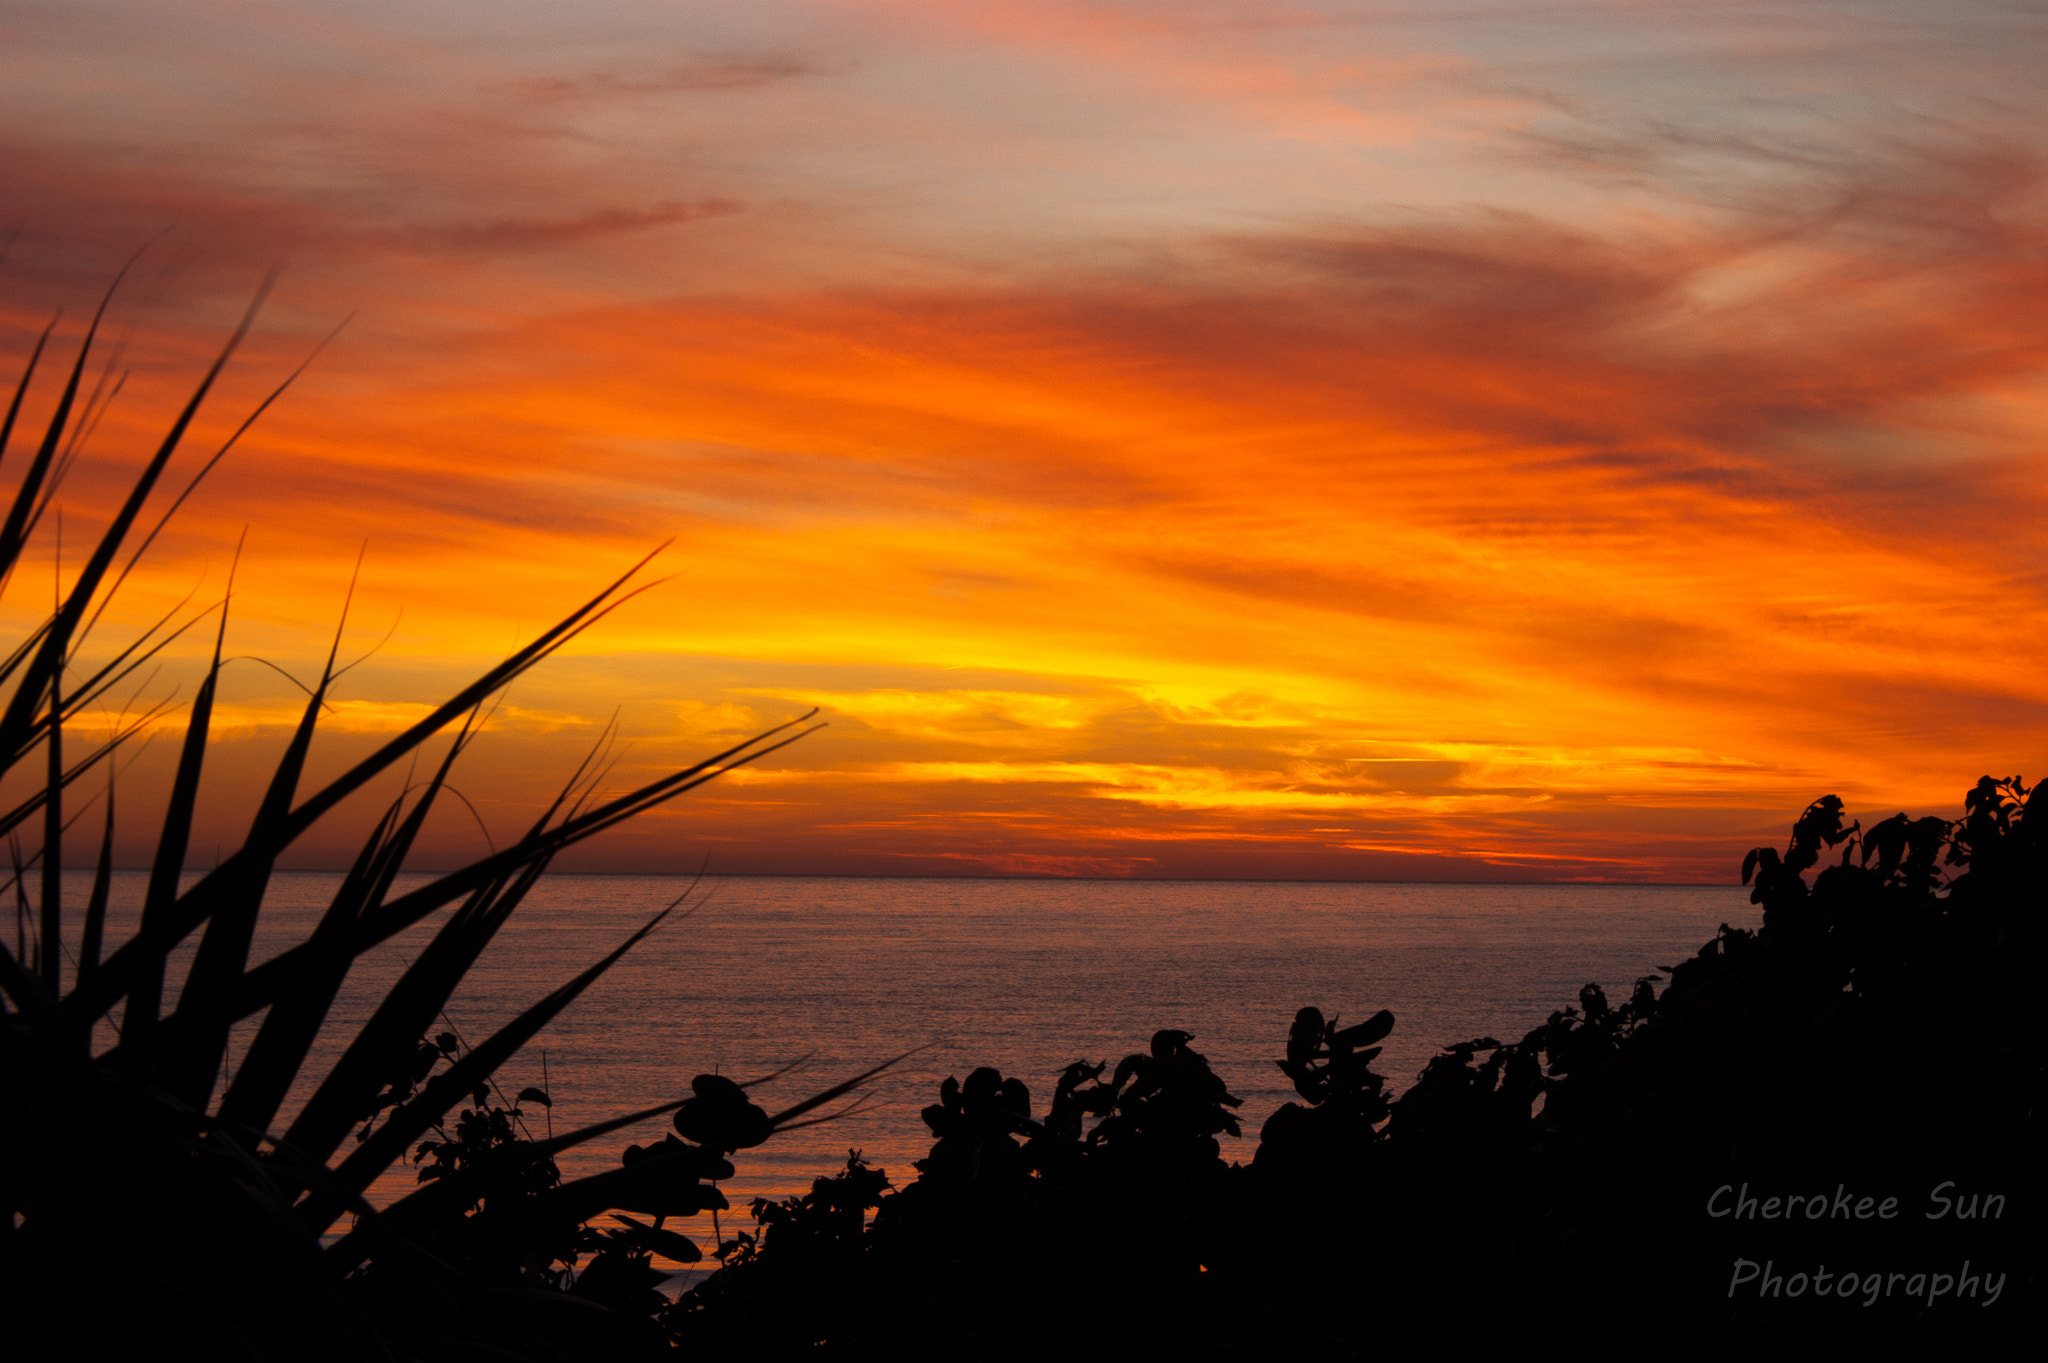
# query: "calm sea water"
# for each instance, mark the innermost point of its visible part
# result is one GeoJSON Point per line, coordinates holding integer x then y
{"type": "Point", "coordinates": [1025, 975]}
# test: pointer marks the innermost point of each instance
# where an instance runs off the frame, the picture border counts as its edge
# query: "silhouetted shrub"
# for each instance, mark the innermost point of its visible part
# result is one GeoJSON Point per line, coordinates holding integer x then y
{"type": "Point", "coordinates": [1873, 1036]}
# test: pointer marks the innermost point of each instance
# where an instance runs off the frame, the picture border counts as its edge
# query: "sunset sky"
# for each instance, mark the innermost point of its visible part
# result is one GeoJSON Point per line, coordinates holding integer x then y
{"type": "Point", "coordinates": [1437, 440]}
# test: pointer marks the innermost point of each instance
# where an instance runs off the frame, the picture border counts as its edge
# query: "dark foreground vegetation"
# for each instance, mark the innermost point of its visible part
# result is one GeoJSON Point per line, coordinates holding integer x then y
{"type": "Point", "coordinates": [1870, 1047]}
{"type": "Point", "coordinates": [1873, 1037]}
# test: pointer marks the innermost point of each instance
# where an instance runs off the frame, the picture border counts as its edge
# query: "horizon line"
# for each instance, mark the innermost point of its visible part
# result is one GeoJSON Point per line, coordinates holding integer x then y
{"type": "Point", "coordinates": [1115, 880]}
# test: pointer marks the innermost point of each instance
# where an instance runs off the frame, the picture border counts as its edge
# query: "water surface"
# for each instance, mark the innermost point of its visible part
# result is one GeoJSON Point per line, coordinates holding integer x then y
{"type": "Point", "coordinates": [1025, 975]}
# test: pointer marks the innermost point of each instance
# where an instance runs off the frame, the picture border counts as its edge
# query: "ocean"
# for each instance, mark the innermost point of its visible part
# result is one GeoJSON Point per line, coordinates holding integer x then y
{"type": "Point", "coordinates": [752, 974]}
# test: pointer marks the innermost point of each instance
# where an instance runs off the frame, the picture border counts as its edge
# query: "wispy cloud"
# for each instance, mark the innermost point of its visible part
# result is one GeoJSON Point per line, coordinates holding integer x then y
{"type": "Point", "coordinates": [684, 75]}
{"type": "Point", "coordinates": [337, 716]}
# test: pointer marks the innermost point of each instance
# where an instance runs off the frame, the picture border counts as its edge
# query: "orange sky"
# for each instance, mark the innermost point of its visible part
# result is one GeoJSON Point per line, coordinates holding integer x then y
{"type": "Point", "coordinates": [1221, 439]}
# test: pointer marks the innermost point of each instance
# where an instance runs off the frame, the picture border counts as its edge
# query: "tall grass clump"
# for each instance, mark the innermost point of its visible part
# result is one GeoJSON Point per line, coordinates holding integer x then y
{"type": "Point", "coordinates": [158, 1194]}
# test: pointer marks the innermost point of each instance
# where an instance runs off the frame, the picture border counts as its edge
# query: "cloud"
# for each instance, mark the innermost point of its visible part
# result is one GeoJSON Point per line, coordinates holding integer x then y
{"type": "Point", "coordinates": [1177, 787]}
{"type": "Point", "coordinates": [998, 718]}
{"type": "Point", "coordinates": [689, 74]}
{"type": "Point", "coordinates": [1560, 436]}
{"type": "Point", "coordinates": [337, 716]}
{"type": "Point", "coordinates": [494, 235]}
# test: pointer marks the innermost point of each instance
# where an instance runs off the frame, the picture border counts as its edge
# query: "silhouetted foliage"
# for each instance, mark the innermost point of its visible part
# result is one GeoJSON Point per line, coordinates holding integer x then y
{"type": "Point", "coordinates": [126, 1129]}
{"type": "Point", "coordinates": [1872, 1035]}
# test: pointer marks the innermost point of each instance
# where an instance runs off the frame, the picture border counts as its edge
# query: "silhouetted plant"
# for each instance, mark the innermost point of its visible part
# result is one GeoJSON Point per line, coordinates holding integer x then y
{"type": "Point", "coordinates": [156, 1131]}
{"type": "Point", "coordinates": [1874, 1032]}
{"type": "Point", "coordinates": [813, 1280]}
{"type": "Point", "coordinates": [1331, 1068]}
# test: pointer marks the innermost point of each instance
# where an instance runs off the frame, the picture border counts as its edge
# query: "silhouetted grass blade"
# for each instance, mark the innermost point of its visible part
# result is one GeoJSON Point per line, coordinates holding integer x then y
{"type": "Point", "coordinates": [28, 373]}
{"type": "Point", "coordinates": [408, 1010]}
{"type": "Point", "coordinates": [445, 1090]}
{"type": "Point", "coordinates": [223, 952]}
{"type": "Point", "coordinates": [293, 1023]}
{"type": "Point", "coordinates": [146, 952]}
{"type": "Point", "coordinates": [96, 903]}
